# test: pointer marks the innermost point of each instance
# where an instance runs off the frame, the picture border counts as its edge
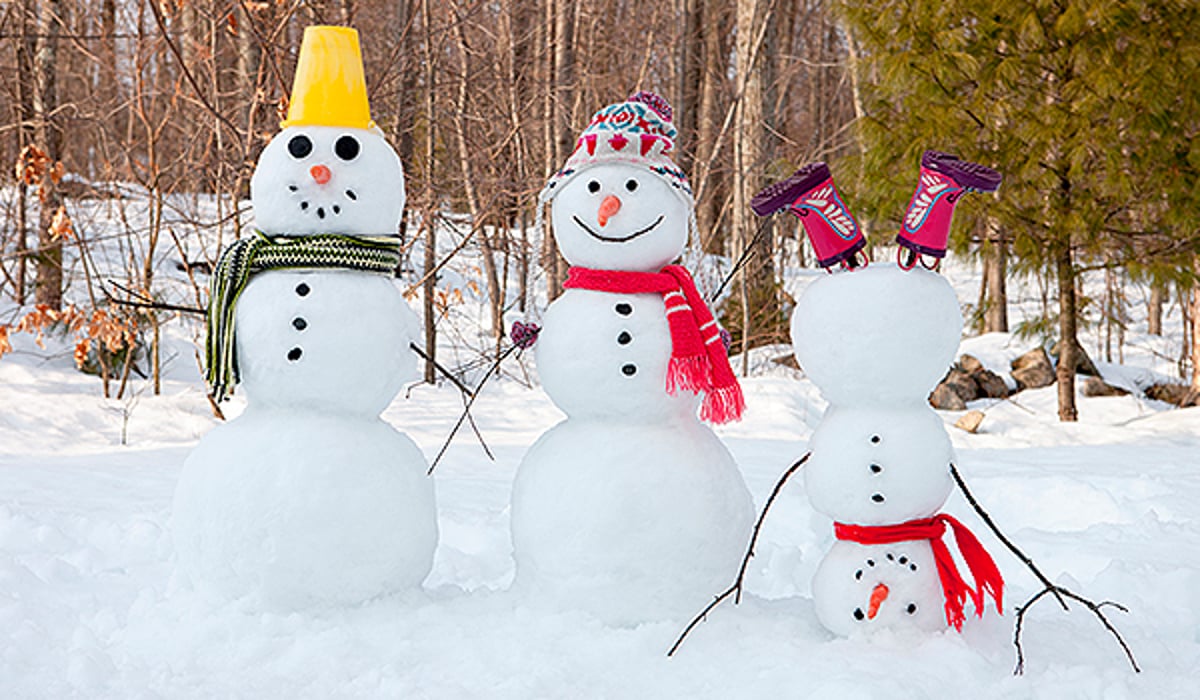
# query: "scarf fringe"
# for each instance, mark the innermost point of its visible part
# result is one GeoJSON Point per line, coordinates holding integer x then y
{"type": "Point", "coordinates": [692, 374]}
{"type": "Point", "coordinates": [723, 404]}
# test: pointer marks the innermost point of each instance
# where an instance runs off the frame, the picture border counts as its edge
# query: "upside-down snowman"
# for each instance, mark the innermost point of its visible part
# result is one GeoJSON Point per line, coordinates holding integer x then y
{"type": "Point", "coordinates": [631, 508]}
{"type": "Point", "coordinates": [308, 497]}
{"type": "Point", "coordinates": [875, 340]}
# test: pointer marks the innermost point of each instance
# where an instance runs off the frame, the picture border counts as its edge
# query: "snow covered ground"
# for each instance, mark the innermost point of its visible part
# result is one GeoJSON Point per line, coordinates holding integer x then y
{"type": "Point", "coordinates": [90, 606]}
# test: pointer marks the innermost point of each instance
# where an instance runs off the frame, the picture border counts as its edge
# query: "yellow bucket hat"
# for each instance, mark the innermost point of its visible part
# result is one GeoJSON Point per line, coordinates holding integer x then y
{"type": "Point", "coordinates": [329, 88]}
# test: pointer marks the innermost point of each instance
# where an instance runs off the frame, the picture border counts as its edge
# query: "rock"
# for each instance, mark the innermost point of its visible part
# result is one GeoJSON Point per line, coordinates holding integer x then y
{"type": "Point", "coordinates": [962, 384]}
{"type": "Point", "coordinates": [1095, 386]}
{"type": "Point", "coordinates": [1177, 394]}
{"type": "Point", "coordinates": [788, 360]}
{"type": "Point", "coordinates": [1033, 369]}
{"type": "Point", "coordinates": [971, 364]}
{"type": "Point", "coordinates": [991, 385]}
{"type": "Point", "coordinates": [1083, 363]}
{"type": "Point", "coordinates": [944, 398]}
{"type": "Point", "coordinates": [970, 421]}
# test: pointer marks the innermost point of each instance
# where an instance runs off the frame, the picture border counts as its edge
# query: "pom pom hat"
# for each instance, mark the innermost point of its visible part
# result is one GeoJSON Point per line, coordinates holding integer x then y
{"type": "Point", "coordinates": [329, 88]}
{"type": "Point", "coordinates": [636, 132]}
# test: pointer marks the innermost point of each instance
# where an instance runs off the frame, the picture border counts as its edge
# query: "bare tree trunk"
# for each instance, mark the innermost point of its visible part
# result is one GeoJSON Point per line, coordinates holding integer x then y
{"type": "Point", "coordinates": [757, 276]}
{"type": "Point", "coordinates": [708, 123]}
{"type": "Point", "coordinates": [1068, 342]}
{"type": "Point", "coordinates": [691, 69]}
{"type": "Point", "coordinates": [26, 87]}
{"type": "Point", "coordinates": [406, 104]}
{"type": "Point", "coordinates": [1185, 313]}
{"type": "Point", "coordinates": [428, 219]}
{"type": "Point", "coordinates": [995, 261]}
{"type": "Point", "coordinates": [48, 287]}
{"type": "Point", "coordinates": [1154, 308]}
{"type": "Point", "coordinates": [495, 293]}
{"type": "Point", "coordinates": [562, 130]}
{"type": "Point", "coordinates": [1195, 332]}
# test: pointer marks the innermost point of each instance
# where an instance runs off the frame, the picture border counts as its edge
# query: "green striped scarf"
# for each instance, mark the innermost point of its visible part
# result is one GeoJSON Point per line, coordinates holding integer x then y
{"type": "Point", "coordinates": [261, 252]}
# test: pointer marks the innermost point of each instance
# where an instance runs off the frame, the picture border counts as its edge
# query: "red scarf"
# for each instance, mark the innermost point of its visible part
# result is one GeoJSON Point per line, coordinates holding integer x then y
{"type": "Point", "coordinates": [955, 590]}
{"type": "Point", "coordinates": [699, 362]}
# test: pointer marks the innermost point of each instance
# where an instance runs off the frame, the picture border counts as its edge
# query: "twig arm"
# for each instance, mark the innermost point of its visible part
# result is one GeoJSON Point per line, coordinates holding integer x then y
{"type": "Point", "coordinates": [1048, 588]}
{"type": "Point", "coordinates": [987, 519]}
{"type": "Point", "coordinates": [736, 589]}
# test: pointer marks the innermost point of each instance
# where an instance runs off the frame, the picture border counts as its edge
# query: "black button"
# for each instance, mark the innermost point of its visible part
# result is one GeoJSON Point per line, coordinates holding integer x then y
{"type": "Point", "coordinates": [629, 370]}
{"type": "Point", "coordinates": [878, 498]}
{"type": "Point", "coordinates": [294, 354]}
{"type": "Point", "coordinates": [624, 338]}
{"type": "Point", "coordinates": [624, 309]}
{"type": "Point", "coordinates": [299, 323]}
{"type": "Point", "coordinates": [875, 468]}
{"type": "Point", "coordinates": [302, 289]}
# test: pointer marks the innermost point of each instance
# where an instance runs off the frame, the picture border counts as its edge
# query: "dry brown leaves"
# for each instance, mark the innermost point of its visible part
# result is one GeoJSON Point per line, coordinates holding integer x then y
{"type": "Point", "coordinates": [114, 332]}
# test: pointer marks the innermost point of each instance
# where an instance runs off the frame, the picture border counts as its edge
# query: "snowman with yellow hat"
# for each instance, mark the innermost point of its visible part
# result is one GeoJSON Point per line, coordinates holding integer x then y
{"type": "Point", "coordinates": [309, 498]}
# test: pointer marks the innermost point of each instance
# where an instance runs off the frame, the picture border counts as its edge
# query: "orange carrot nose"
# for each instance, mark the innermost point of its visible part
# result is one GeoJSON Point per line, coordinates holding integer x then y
{"type": "Point", "coordinates": [320, 173]}
{"type": "Point", "coordinates": [608, 209]}
{"type": "Point", "coordinates": [878, 595]}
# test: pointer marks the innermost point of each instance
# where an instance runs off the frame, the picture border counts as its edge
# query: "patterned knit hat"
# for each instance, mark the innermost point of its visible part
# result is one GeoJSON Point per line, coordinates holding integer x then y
{"type": "Point", "coordinates": [636, 132]}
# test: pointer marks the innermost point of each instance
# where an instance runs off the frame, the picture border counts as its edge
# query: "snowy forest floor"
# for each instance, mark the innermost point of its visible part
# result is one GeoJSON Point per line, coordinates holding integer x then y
{"type": "Point", "coordinates": [90, 606]}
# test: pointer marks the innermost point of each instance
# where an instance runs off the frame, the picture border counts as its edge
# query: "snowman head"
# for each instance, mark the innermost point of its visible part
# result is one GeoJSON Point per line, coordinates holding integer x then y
{"type": "Point", "coordinates": [620, 203]}
{"type": "Point", "coordinates": [327, 179]}
{"type": "Point", "coordinates": [881, 336]}
{"type": "Point", "coordinates": [330, 169]}
{"type": "Point", "coordinates": [619, 217]}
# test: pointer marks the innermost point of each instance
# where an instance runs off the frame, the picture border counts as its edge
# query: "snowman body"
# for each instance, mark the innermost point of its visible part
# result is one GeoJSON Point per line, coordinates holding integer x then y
{"type": "Point", "coordinates": [631, 508]}
{"type": "Point", "coordinates": [308, 498]}
{"type": "Point", "coordinates": [875, 341]}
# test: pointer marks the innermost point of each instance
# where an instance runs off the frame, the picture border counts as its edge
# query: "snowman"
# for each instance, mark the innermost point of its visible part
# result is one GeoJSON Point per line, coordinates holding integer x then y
{"type": "Point", "coordinates": [309, 498]}
{"type": "Point", "coordinates": [630, 509]}
{"type": "Point", "coordinates": [875, 340]}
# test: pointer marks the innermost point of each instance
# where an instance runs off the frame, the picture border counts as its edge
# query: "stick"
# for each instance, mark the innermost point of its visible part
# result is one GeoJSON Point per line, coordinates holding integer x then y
{"type": "Point", "coordinates": [742, 260]}
{"type": "Point", "coordinates": [467, 409]}
{"type": "Point", "coordinates": [469, 397]}
{"type": "Point", "coordinates": [987, 519]}
{"type": "Point", "coordinates": [736, 588]}
{"type": "Point", "coordinates": [1047, 587]}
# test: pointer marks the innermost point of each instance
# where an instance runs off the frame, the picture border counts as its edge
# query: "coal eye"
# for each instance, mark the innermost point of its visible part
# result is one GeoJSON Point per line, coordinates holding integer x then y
{"type": "Point", "coordinates": [346, 148]}
{"type": "Point", "coordinates": [593, 187]}
{"type": "Point", "coordinates": [631, 185]}
{"type": "Point", "coordinates": [300, 146]}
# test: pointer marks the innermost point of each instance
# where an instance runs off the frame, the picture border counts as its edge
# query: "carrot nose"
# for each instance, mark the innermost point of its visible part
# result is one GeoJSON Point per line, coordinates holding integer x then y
{"type": "Point", "coordinates": [878, 595]}
{"type": "Point", "coordinates": [320, 173]}
{"type": "Point", "coordinates": [608, 209]}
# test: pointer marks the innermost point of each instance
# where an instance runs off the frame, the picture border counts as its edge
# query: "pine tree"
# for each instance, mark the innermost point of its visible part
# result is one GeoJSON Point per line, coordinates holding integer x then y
{"type": "Point", "coordinates": [1088, 109]}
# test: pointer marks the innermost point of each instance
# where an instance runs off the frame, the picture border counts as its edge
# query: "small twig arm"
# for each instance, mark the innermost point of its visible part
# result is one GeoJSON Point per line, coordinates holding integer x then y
{"type": "Point", "coordinates": [523, 335]}
{"type": "Point", "coordinates": [736, 589]}
{"type": "Point", "coordinates": [1048, 588]}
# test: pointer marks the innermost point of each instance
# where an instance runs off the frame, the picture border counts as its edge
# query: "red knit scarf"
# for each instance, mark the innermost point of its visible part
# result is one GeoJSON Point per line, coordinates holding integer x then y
{"type": "Point", "coordinates": [699, 362]}
{"type": "Point", "coordinates": [955, 590]}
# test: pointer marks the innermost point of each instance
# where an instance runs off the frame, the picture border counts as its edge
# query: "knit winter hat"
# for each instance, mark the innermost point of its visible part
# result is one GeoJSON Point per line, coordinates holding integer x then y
{"type": "Point", "coordinates": [636, 132]}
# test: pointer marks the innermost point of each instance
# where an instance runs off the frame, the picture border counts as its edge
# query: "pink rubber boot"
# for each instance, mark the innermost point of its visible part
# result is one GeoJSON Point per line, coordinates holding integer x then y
{"type": "Point", "coordinates": [926, 228]}
{"type": "Point", "coordinates": [810, 194]}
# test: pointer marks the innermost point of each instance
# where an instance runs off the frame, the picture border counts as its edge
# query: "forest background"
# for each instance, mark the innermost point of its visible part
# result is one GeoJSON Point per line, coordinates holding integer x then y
{"type": "Point", "coordinates": [1091, 111]}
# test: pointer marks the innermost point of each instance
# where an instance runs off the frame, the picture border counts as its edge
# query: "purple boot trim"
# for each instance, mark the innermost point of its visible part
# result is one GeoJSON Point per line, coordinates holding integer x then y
{"type": "Point", "coordinates": [972, 176]}
{"type": "Point", "coordinates": [776, 197]}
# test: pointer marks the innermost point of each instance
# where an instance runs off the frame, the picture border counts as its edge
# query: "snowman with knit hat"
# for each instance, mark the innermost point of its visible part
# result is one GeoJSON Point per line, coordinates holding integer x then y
{"type": "Point", "coordinates": [630, 509]}
{"type": "Point", "coordinates": [309, 498]}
